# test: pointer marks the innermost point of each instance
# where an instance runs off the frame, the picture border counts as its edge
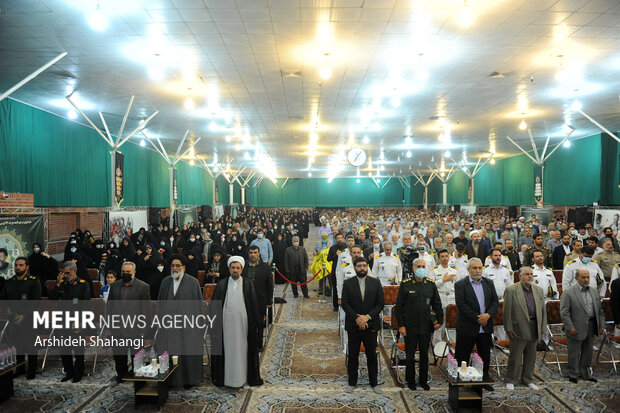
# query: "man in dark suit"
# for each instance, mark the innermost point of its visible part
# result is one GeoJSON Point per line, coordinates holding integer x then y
{"type": "Point", "coordinates": [260, 274]}
{"type": "Point", "coordinates": [477, 303]}
{"type": "Point", "coordinates": [476, 249]}
{"type": "Point", "coordinates": [296, 266]}
{"type": "Point", "coordinates": [560, 252]}
{"type": "Point", "coordinates": [614, 300]}
{"type": "Point", "coordinates": [128, 288]}
{"type": "Point", "coordinates": [362, 301]}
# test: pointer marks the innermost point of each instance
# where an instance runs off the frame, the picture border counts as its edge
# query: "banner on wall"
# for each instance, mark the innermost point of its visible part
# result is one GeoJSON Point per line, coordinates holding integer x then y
{"type": "Point", "coordinates": [468, 209]}
{"type": "Point", "coordinates": [541, 213]}
{"type": "Point", "coordinates": [538, 184]}
{"type": "Point", "coordinates": [119, 168]}
{"type": "Point", "coordinates": [217, 194]}
{"type": "Point", "coordinates": [124, 223]}
{"type": "Point", "coordinates": [218, 211]}
{"type": "Point", "coordinates": [604, 218]}
{"type": "Point", "coordinates": [17, 234]}
{"type": "Point", "coordinates": [470, 192]}
{"type": "Point", "coordinates": [187, 215]}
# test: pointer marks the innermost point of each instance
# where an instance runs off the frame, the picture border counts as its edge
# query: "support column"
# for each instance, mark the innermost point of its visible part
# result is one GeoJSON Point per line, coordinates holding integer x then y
{"type": "Point", "coordinates": [242, 195]}
{"type": "Point", "coordinates": [231, 194]}
{"type": "Point", "coordinates": [471, 185]}
{"type": "Point", "coordinates": [445, 193]}
{"type": "Point", "coordinates": [425, 201]}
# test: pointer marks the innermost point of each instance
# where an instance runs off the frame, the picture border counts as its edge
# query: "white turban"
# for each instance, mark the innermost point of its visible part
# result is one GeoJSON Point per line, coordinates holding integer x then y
{"type": "Point", "coordinates": [236, 258]}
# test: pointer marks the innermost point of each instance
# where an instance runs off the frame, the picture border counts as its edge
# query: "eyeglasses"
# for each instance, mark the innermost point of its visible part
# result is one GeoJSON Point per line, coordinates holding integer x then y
{"type": "Point", "coordinates": [176, 265]}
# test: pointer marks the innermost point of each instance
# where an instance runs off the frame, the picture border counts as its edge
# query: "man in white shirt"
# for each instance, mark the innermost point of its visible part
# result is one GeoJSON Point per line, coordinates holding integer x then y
{"type": "Point", "coordinates": [387, 267]}
{"type": "Point", "coordinates": [459, 258]}
{"type": "Point", "coordinates": [597, 279]}
{"type": "Point", "coordinates": [445, 276]}
{"type": "Point", "coordinates": [426, 256]}
{"type": "Point", "coordinates": [497, 273]}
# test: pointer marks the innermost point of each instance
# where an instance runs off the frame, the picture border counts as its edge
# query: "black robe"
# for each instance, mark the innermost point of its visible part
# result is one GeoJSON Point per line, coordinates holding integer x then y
{"type": "Point", "coordinates": [254, 323]}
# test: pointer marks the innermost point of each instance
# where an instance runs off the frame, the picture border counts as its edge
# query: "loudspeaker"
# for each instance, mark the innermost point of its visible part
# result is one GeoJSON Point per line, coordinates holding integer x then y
{"type": "Point", "coordinates": [512, 212]}
{"type": "Point", "coordinates": [206, 212]}
{"type": "Point", "coordinates": [572, 215]}
{"type": "Point", "coordinates": [583, 216]}
{"type": "Point", "coordinates": [457, 208]}
{"type": "Point", "coordinates": [227, 210]}
{"type": "Point", "coordinates": [155, 216]}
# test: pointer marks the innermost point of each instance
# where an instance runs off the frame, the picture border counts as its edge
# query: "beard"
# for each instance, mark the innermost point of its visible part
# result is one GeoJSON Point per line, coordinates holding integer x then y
{"type": "Point", "coordinates": [361, 274]}
{"type": "Point", "coordinates": [176, 274]}
{"type": "Point", "coordinates": [476, 277]}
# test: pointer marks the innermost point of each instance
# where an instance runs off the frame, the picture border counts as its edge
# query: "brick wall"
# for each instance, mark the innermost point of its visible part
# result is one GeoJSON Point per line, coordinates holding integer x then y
{"type": "Point", "coordinates": [9, 200]}
{"type": "Point", "coordinates": [63, 221]}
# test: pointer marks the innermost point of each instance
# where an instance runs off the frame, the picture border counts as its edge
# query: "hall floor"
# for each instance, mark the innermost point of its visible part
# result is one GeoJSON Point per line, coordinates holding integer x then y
{"type": "Point", "coordinates": [304, 371]}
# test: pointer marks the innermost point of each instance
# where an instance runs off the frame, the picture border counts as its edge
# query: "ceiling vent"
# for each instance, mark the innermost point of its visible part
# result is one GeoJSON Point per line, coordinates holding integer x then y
{"type": "Point", "coordinates": [62, 74]}
{"type": "Point", "coordinates": [291, 73]}
{"type": "Point", "coordinates": [499, 75]}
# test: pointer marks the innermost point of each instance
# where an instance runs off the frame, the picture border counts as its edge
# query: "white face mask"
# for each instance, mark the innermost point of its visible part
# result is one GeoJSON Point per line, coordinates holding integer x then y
{"type": "Point", "coordinates": [160, 269]}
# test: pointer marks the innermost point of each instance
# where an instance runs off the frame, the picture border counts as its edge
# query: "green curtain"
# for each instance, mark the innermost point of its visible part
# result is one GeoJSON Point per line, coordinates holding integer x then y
{"type": "Point", "coordinates": [573, 175]}
{"type": "Point", "coordinates": [610, 170]}
{"type": "Point", "coordinates": [146, 177]}
{"type": "Point", "coordinates": [457, 188]}
{"type": "Point", "coordinates": [194, 185]}
{"type": "Point", "coordinates": [62, 163]}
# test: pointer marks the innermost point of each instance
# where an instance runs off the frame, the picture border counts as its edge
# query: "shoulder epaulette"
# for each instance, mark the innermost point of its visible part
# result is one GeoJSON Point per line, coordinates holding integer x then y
{"type": "Point", "coordinates": [429, 280]}
{"type": "Point", "coordinates": [433, 268]}
{"type": "Point", "coordinates": [407, 279]}
{"type": "Point", "coordinates": [82, 281]}
{"type": "Point", "coordinates": [484, 266]}
{"type": "Point", "coordinates": [595, 261]}
{"type": "Point", "coordinates": [617, 265]}
{"type": "Point", "coordinates": [397, 256]}
{"type": "Point", "coordinates": [504, 266]}
{"type": "Point", "coordinates": [545, 248]}
{"type": "Point", "coordinates": [32, 277]}
{"type": "Point", "coordinates": [465, 255]}
{"type": "Point", "coordinates": [452, 266]}
{"type": "Point", "coordinates": [345, 264]}
{"type": "Point", "coordinates": [570, 262]}
{"type": "Point", "coordinates": [379, 255]}
{"type": "Point", "coordinates": [529, 248]}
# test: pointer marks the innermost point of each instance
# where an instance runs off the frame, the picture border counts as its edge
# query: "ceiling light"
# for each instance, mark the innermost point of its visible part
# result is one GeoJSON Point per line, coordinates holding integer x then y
{"type": "Point", "coordinates": [566, 144]}
{"type": "Point", "coordinates": [237, 147]}
{"type": "Point", "coordinates": [358, 180]}
{"type": "Point", "coordinates": [192, 162]}
{"type": "Point", "coordinates": [408, 154]}
{"type": "Point", "coordinates": [156, 73]}
{"type": "Point", "coordinates": [442, 174]}
{"type": "Point", "coordinates": [228, 138]}
{"type": "Point", "coordinates": [447, 154]}
{"type": "Point", "coordinates": [97, 20]}
{"type": "Point", "coordinates": [309, 174]}
{"type": "Point", "coordinates": [72, 114]}
{"type": "Point", "coordinates": [325, 72]}
{"type": "Point", "coordinates": [142, 142]}
{"type": "Point", "coordinates": [395, 102]}
{"type": "Point", "coordinates": [314, 137]}
{"type": "Point", "coordinates": [189, 103]}
{"type": "Point", "coordinates": [466, 16]}
{"type": "Point", "coordinates": [246, 156]}
{"type": "Point", "coordinates": [523, 125]}
{"type": "Point", "coordinates": [383, 167]}
{"type": "Point", "coordinates": [369, 173]}
{"type": "Point", "coordinates": [366, 140]}
{"type": "Point", "coordinates": [378, 181]}
{"type": "Point", "coordinates": [576, 106]}
{"type": "Point", "coordinates": [213, 126]}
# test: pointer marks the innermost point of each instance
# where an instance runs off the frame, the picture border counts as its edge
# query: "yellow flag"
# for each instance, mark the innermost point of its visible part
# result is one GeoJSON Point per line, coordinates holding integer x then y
{"type": "Point", "coordinates": [317, 265]}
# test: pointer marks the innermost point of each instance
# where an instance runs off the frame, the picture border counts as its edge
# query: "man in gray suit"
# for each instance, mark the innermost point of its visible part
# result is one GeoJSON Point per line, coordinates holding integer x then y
{"type": "Point", "coordinates": [583, 318]}
{"type": "Point", "coordinates": [524, 321]}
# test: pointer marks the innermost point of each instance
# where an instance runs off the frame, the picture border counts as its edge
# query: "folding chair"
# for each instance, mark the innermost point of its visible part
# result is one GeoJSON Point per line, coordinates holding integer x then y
{"type": "Point", "coordinates": [201, 277]}
{"type": "Point", "coordinates": [207, 292]}
{"type": "Point", "coordinates": [97, 286]}
{"type": "Point", "coordinates": [452, 313]}
{"type": "Point", "coordinates": [389, 300]}
{"type": "Point", "coordinates": [398, 354]}
{"type": "Point", "coordinates": [503, 345]}
{"type": "Point", "coordinates": [608, 339]}
{"type": "Point", "coordinates": [554, 319]}
{"type": "Point", "coordinates": [94, 274]}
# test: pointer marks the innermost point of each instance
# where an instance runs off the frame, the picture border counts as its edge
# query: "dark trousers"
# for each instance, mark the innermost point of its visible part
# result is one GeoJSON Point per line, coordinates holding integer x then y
{"type": "Point", "coordinates": [261, 328]}
{"type": "Point", "coordinates": [580, 353]}
{"type": "Point", "coordinates": [465, 345]}
{"type": "Point", "coordinates": [332, 281]}
{"type": "Point", "coordinates": [33, 359]}
{"type": "Point", "coordinates": [120, 360]}
{"type": "Point", "coordinates": [412, 342]}
{"type": "Point", "coordinates": [71, 369]}
{"type": "Point", "coordinates": [369, 339]}
{"type": "Point", "coordinates": [300, 278]}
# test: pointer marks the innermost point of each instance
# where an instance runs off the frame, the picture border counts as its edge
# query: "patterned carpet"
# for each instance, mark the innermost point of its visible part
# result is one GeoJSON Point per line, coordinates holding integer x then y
{"type": "Point", "coordinates": [304, 371]}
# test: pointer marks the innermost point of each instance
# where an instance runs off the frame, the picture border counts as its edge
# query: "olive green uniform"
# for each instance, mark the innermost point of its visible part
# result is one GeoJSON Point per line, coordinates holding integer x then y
{"type": "Point", "coordinates": [528, 256]}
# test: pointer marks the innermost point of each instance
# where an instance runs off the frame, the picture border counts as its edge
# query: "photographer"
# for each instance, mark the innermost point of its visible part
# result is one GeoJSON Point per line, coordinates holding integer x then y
{"type": "Point", "coordinates": [408, 253]}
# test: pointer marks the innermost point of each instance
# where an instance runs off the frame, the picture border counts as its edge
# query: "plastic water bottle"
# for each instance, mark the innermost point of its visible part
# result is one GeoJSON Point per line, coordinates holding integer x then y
{"type": "Point", "coordinates": [152, 353]}
{"type": "Point", "coordinates": [13, 356]}
{"type": "Point", "coordinates": [2, 362]}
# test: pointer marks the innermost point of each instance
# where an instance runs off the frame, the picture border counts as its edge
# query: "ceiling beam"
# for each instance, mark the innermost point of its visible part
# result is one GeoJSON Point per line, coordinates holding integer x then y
{"type": "Point", "coordinates": [32, 76]}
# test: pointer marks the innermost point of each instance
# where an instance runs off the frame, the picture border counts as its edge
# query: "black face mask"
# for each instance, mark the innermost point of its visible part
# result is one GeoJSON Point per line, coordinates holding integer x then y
{"type": "Point", "coordinates": [126, 277]}
{"type": "Point", "coordinates": [361, 274]}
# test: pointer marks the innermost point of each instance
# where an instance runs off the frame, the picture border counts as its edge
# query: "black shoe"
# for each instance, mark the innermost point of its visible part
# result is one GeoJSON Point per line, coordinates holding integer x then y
{"type": "Point", "coordinates": [261, 349]}
{"type": "Point", "coordinates": [335, 309]}
{"type": "Point", "coordinates": [488, 387]}
{"type": "Point", "coordinates": [425, 386]}
{"type": "Point", "coordinates": [412, 387]}
{"type": "Point", "coordinates": [573, 380]}
{"type": "Point", "coordinates": [306, 296]}
{"type": "Point", "coordinates": [118, 379]}
{"type": "Point", "coordinates": [67, 378]}
{"type": "Point", "coordinates": [30, 375]}
{"type": "Point", "coordinates": [188, 386]}
{"type": "Point", "coordinates": [77, 379]}
{"type": "Point", "coordinates": [295, 295]}
{"type": "Point", "coordinates": [592, 379]}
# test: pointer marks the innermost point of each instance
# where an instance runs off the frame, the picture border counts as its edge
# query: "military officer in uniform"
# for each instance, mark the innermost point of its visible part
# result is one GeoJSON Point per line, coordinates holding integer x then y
{"type": "Point", "coordinates": [505, 261]}
{"type": "Point", "coordinates": [608, 258]}
{"type": "Point", "coordinates": [23, 286]}
{"type": "Point", "coordinates": [544, 278]}
{"type": "Point", "coordinates": [445, 276]}
{"type": "Point", "coordinates": [574, 254]}
{"type": "Point", "coordinates": [459, 259]}
{"type": "Point", "coordinates": [345, 269]}
{"type": "Point", "coordinates": [597, 279]}
{"type": "Point", "coordinates": [615, 273]}
{"type": "Point", "coordinates": [418, 313]}
{"type": "Point", "coordinates": [497, 273]}
{"type": "Point", "coordinates": [511, 254]}
{"type": "Point", "coordinates": [538, 246]}
{"type": "Point", "coordinates": [407, 253]}
{"type": "Point", "coordinates": [70, 287]}
{"type": "Point", "coordinates": [387, 267]}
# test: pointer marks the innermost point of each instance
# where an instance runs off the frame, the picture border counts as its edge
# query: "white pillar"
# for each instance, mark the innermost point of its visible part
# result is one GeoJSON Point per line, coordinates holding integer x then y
{"type": "Point", "coordinates": [426, 197]}
{"type": "Point", "coordinates": [242, 195]}
{"type": "Point", "coordinates": [231, 194]}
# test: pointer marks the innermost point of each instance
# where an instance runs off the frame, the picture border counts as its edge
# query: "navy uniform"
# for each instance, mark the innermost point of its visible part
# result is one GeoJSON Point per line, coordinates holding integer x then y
{"type": "Point", "coordinates": [75, 291]}
{"type": "Point", "coordinates": [544, 278]}
{"type": "Point", "coordinates": [597, 279]}
{"type": "Point", "coordinates": [418, 309]}
{"type": "Point", "coordinates": [388, 269]}
{"type": "Point", "coordinates": [528, 256]}
{"type": "Point", "coordinates": [27, 288]}
{"type": "Point", "coordinates": [501, 278]}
